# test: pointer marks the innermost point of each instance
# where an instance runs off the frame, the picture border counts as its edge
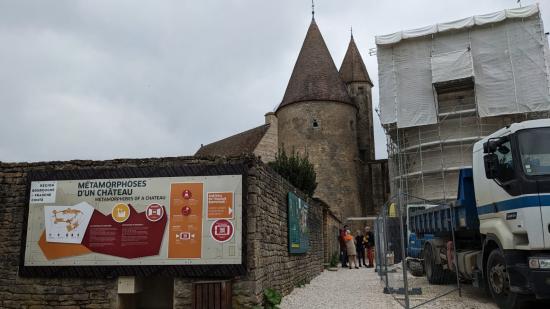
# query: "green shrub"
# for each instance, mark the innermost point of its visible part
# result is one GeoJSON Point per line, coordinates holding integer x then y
{"type": "Point", "coordinates": [334, 259]}
{"type": "Point", "coordinates": [272, 299]}
{"type": "Point", "coordinates": [297, 170]}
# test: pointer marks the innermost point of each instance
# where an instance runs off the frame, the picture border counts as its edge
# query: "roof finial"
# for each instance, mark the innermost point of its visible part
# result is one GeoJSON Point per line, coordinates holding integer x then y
{"type": "Point", "coordinates": [312, 10]}
{"type": "Point", "coordinates": [351, 31]}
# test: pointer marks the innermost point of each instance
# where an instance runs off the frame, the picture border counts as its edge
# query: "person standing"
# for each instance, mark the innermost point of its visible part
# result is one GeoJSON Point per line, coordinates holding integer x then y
{"type": "Point", "coordinates": [360, 248]}
{"type": "Point", "coordinates": [343, 251]}
{"type": "Point", "coordinates": [350, 246]}
{"type": "Point", "coordinates": [369, 245]}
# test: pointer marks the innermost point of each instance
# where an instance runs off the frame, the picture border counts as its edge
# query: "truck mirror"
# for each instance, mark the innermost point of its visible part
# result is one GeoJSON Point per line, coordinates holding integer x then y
{"type": "Point", "coordinates": [491, 165]}
{"type": "Point", "coordinates": [486, 147]}
{"type": "Point", "coordinates": [492, 144]}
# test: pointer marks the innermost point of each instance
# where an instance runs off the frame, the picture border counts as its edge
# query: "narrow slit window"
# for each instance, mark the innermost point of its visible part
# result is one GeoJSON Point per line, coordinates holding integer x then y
{"type": "Point", "coordinates": [315, 123]}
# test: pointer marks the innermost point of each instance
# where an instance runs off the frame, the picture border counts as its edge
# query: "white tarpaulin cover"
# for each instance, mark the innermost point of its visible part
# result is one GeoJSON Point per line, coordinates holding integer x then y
{"type": "Point", "coordinates": [458, 24]}
{"type": "Point", "coordinates": [405, 70]}
{"type": "Point", "coordinates": [451, 66]}
{"type": "Point", "coordinates": [507, 60]}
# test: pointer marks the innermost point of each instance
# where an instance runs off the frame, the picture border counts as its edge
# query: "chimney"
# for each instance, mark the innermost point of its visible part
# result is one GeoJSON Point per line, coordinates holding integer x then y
{"type": "Point", "coordinates": [271, 119]}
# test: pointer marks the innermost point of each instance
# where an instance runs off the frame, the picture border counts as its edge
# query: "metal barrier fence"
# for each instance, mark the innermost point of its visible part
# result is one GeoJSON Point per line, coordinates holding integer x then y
{"type": "Point", "coordinates": [404, 264]}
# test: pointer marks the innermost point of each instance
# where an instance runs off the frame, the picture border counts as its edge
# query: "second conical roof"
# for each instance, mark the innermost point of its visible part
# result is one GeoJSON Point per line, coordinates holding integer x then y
{"type": "Point", "coordinates": [353, 68]}
{"type": "Point", "coordinates": [315, 76]}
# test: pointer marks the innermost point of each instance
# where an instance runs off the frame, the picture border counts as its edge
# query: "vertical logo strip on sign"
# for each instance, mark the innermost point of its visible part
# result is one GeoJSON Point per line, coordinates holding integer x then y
{"type": "Point", "coordinates": [185, 229]}
{"type": "Point", "coordinates": [43, 192]}
{"type": "Point", "coordinates": [220, 205]}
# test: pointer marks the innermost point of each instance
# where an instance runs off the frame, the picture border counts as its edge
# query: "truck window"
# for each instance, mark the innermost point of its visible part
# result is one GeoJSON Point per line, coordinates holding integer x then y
{"type": "Point", "coordinates": [535, 151]}
{"type": "Point", "coordinates": [505, 162]}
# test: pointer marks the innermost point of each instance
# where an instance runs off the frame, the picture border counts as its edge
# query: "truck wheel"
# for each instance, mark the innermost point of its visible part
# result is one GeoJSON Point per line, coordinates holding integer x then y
{"type": "Point", "coordinates": [434, 272]}
{"type": "Point", "coordinates": [498, 282]}
{"type": "Point", "coordinates": [415, 268]}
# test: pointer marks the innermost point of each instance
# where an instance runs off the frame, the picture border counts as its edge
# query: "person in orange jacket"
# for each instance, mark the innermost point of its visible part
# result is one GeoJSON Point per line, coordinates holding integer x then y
{"type": "Point", "coordinates": [368, 240]}
{"type": "Point", "coordinates": [350, 247]}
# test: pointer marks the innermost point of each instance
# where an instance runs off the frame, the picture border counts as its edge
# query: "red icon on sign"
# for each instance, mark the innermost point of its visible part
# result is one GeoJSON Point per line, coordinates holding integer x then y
{"type": "Point", "coordinates": [187, 194]}
{"type": "Point", "coordinates": [222, 230]}
{"type": "Point", "coordinates": [186, 210]}
{"type": "Point", "coordinates": [154, 212]}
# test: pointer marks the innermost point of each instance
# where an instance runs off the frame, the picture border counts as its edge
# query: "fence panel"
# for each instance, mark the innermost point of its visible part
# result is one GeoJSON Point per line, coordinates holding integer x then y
{"type": "Point", "coordinates": [416, 267]}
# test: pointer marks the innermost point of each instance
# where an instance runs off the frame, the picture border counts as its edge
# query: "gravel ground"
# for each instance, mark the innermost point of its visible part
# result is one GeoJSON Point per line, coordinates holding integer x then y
{"type": "Point", "coordinates": [362, 288]}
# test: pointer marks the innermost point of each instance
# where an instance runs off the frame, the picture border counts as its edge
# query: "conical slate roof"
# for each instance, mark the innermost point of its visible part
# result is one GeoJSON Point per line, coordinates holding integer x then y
{"type": "Point", "coordinates": [315, 76]}
{"type": "Point", "coordinates": [353, 68]}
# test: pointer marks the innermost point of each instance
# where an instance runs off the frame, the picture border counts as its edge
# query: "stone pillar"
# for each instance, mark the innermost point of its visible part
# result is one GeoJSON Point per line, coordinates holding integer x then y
{"type": "Point", "coordinates": [268, 146]}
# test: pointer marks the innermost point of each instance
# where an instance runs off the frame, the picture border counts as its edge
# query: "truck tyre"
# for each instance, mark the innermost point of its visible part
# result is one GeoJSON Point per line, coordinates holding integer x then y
{"type": "Point", "coordinates": [415, 268]}
{"type": "Point", "coordinates": [498, 282]}
{"type": "Point", "coordinates": [434, 272]}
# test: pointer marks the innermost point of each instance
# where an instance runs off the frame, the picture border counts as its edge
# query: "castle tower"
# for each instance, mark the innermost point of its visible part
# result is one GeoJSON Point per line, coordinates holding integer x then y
{"type": "Point", "coordinates": [318, 117]}
{"type": "Point", "coordinates": [354, 73]}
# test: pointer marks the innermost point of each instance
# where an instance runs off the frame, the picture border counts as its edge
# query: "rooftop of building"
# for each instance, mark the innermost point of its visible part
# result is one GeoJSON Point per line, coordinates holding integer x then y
{"type": "Point", "coordinates": [241, 143]}
{"type": "Point", "coordinates": [353, 68]}
{"type": "Point", "coordinates": [315, 76]}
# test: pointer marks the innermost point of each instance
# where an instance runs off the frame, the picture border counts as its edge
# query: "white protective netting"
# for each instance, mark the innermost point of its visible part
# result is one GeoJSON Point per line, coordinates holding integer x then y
{"type": "Point", "coordinates": [505, 53]}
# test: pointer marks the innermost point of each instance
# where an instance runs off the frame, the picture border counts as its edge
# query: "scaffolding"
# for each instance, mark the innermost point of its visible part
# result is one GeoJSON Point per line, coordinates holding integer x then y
{"type": "Point", "coordinates": [444, 87]}
{"type": "Point", "coordinates": [424, 161]}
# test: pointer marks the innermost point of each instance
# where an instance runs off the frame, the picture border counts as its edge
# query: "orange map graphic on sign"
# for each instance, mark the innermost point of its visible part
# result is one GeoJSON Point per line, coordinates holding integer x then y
{"type": "Point", "coordinates": [220, 205]}
{"type": "Point", "coordinates": [54, 250]}
{"type": "Point", "coordinates": [185, 230]}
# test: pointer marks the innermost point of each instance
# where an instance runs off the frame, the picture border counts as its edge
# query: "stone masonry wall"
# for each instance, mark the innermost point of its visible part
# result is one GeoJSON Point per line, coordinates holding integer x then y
{"type": "Point", "coordinates": [270, 265]}
{"type": "Point", "coordinates": [326, 131]}
{"type": "Point", "coordinates": [268, 262]}
{"type": "Point", "coordinates": [331, 226]}
{"type": "Point", "coordinates": [361, 94]}
{"type": "Point", "coordinates": [379, 183]}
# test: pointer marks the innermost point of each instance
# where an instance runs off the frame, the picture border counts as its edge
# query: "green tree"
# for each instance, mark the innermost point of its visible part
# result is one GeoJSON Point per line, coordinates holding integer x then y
{"type": "Point", "coordinates": [297, 170]}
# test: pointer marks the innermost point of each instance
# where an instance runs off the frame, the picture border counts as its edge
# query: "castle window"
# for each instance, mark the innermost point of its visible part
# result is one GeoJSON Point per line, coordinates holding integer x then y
{"type": "Point", "coordinates": [315, 124]}
{"type": "Point", "coordinates": [363, 154]}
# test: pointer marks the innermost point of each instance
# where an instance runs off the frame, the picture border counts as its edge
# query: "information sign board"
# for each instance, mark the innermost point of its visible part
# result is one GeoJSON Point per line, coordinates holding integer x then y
{"type": "Point", "coordinates": [298, 231]}
{"type": "Point", "coordinates": [135, 221]}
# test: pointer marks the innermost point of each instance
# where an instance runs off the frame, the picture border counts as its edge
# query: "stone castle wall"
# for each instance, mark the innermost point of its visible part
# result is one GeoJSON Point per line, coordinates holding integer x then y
{"type": "Point", "coordinates": [361, 94]}
{"type": "Point", "coordinates": [331, 147]}
{"type": "Point", "coordinates": [376, 175]}
{"type": "Point", "coordinates": [331, 234]}
{"type": "Point", "coordinates": [270, 265]}
{"type": "Point", "coordinates": [268, 262]}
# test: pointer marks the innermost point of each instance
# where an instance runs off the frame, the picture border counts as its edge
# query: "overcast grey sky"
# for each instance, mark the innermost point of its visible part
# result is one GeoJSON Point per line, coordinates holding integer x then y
{"type": "Point", "coordinates": [113, 79]}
